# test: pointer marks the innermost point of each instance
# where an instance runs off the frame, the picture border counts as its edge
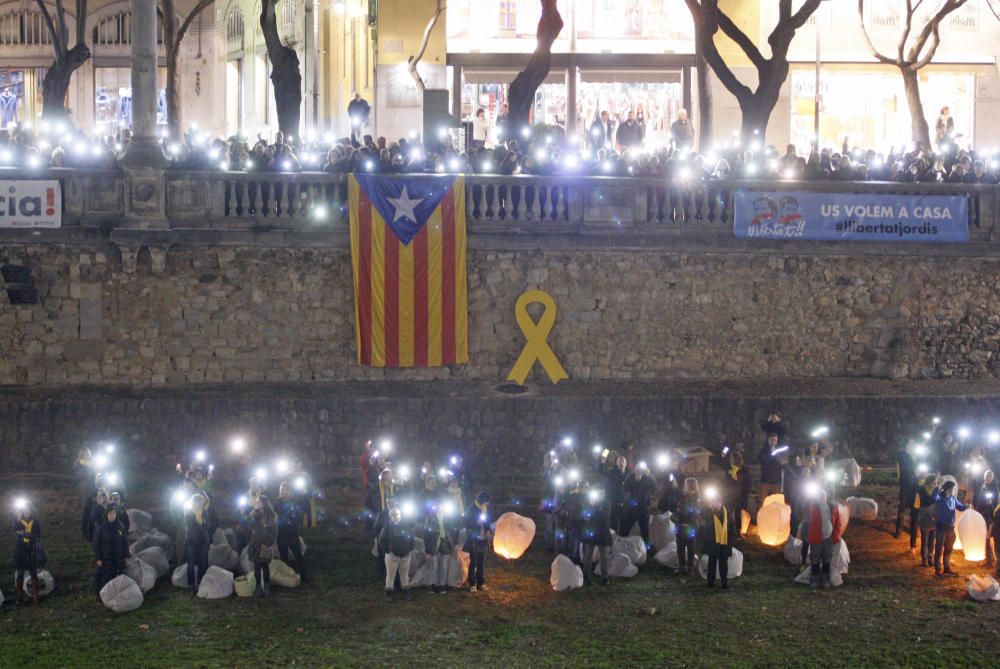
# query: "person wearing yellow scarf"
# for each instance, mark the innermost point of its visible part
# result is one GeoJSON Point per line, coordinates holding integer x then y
{"type": "Point", "coordinates": [28, 532]}
{"type": "Point", "coordinates": [718, 534]}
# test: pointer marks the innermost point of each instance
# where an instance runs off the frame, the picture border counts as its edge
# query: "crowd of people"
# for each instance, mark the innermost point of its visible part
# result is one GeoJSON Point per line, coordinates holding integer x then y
{"type": "Point", "coordinates": [588, 499]}
{"type": "Point", "coordinates": [607, 150]}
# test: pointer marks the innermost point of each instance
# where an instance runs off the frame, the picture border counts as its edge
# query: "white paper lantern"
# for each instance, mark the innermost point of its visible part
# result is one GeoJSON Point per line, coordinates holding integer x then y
{"type": "Point", "coordinates": [744, 521]}
{"type": "Point", "coordinates": [776, 498]}
{"type": "Point", "coordinates": [972, 529]}
{"type": "Point", "coordinates": [513, 535]}
{"type": "Point", "coordinates": [774, 523]}
{"type": "Point", "coordinates": [958, 540]}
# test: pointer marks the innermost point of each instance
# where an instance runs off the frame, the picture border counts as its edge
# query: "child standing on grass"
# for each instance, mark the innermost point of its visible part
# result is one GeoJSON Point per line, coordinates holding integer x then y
{"type": "Point", "coordinates": [396, 542]}
{"type": "Point", "coordinates": [822, 534]}
{"type": "Point", "coordinates": [27, 532]}
{"type": "Point", "coordinates": [110, 548]}
{"type": "Point", "coordinates": [924, 501]}
{"type": "Point", "coordinates": [478, 522]}
{"type": "Point", "coordinates": [688, 514]}
{"type": "Point", "coordinates": [944, 528]}
{"type": "Point", "coordinates": [261, 547]}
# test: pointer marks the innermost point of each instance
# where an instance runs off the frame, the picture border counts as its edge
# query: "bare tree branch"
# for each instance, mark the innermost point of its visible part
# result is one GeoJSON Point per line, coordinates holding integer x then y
{"type": "Point", "coordinates": [411, 63]}
{"type": "Point", "coordinates": [733, 32]}
{"type": "Point", "coordinates": [871, 45]}
{"type": "Point", "coordinates": [81, 22]}
{"type": "Point", "coordinates": [57, 44]}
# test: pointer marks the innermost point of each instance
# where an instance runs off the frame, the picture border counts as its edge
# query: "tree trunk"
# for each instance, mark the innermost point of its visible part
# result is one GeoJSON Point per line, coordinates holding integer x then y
{"type": "Point", "coordinates": [918, 122]}
{"type": "Point", "coordinates": [173, 94]}
{"type": "Point", "coordinates": [521, 95]}
{"type": "Point", "coordinates": [56, 82]}
{"type": "Point", "coordinates": [285, 74]}
{"type": "Point", "coordinates": [704, 98]}
{"type": "Point", "coordinates": [756, 111]}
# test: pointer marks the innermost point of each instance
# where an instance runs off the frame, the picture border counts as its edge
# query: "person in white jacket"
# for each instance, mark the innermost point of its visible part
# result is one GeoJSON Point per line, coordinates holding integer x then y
{"type": "Point", "coordinates": [480, 130]}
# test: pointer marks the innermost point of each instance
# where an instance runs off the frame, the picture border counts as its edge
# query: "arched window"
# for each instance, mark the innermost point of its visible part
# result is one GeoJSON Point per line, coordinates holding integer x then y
{"type": "Point", "coordinates": [23, 27]}
{"type": "Point", "coordinates": [116, 29]}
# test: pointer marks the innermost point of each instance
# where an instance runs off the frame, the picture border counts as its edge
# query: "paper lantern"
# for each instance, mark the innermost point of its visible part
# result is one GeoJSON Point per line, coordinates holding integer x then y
{"type": "Point", "coordinates": [845, 517]}
{"type": "Point", "coordinates": [744, 522]}
{"type": "Point", "coordinates": [972, 529]}
{"type": "Point", "coordinates": [513, 535]}
{"type": "Point", "coordinates": [776, 498]}
{"type": "Point", "coordinates": [774, 523]}
{"type": "Point", "coordinates": [958, 540]}
{"type": "Point", "coordinates": [984, 589]}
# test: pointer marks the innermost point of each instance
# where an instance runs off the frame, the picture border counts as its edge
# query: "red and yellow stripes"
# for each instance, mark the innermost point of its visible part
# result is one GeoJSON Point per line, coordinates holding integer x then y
{"type": "Point", "coordinates": [410, 302]}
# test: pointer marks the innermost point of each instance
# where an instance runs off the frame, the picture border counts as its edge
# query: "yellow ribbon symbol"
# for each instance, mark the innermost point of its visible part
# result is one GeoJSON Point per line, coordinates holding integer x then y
{"type": "Point", "coordinates": [537, 346]}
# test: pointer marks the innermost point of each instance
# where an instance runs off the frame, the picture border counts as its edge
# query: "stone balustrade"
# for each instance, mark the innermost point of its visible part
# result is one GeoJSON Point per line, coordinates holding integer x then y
{"type": "Point", "coordinates": [494, 203]}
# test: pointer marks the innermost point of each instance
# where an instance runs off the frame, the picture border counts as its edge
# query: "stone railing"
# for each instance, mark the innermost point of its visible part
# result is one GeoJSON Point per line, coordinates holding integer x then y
{"type": "Point", "coordinates": [566, 204]}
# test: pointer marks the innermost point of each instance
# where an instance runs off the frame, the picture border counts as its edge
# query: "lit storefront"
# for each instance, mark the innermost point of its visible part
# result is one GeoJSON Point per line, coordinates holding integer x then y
{"type": "Point", "coordinates": [613, 55]}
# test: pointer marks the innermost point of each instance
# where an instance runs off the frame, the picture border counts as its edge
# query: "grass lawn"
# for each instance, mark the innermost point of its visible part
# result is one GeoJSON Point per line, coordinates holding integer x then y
{"type": "Point", "coordinates": [890, 612]}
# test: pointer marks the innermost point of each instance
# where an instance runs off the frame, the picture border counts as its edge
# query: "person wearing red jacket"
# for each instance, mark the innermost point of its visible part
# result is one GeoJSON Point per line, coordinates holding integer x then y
{"type": "Point", "coordinates": [822, 533]}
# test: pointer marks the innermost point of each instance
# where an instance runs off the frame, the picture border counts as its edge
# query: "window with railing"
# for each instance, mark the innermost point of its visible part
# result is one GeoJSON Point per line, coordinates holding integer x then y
{"type": "Point", "coordinates": [116, 29]}
{"type": "Point", "coordinates": [234, 29]}
{"type": "Point", "coordinates": [508, 14]}
{"type": "Point", "coordinates": [23, 27]}
{"type": "Point", "coordinates": [286, 18]}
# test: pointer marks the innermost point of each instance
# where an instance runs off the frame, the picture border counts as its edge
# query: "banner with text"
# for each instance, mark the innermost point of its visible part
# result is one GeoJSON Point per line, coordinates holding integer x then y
{"type": "Point", "coordinates": [30, 204]}
{"type": "Point", "coordinates": [851, 217]}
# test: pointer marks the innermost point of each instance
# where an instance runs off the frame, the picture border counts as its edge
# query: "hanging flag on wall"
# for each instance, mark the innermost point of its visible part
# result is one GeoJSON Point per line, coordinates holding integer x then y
{"type": "Point", "coordinates": [408, 250]}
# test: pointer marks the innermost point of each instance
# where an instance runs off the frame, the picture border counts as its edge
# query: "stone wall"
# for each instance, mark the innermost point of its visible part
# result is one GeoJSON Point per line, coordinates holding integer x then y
{"type": "Point", "coordinates": [254, 314]}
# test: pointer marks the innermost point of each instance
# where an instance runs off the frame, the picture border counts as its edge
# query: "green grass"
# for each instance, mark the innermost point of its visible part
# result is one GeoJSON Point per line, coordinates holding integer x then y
{"type": "Point", "coordinates": [889, 613]}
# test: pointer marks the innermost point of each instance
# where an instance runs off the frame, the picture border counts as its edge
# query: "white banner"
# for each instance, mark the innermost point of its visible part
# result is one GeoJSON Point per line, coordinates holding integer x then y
{"type": "Point", "coordinates": [30, 204]}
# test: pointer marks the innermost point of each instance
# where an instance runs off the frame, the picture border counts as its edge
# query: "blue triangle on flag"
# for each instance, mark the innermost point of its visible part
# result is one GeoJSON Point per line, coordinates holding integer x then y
{"type": "Point", "coordinates": [406, 202]}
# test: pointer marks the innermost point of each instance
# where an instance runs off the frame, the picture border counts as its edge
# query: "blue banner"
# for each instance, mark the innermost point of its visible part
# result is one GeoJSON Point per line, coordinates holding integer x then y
{"type": "Point", "coordinates": [871, 217]}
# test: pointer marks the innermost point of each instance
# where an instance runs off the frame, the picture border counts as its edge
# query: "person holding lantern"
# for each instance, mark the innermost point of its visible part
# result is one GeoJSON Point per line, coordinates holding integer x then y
{"type": "Point", "coordinates": [944, 528]}
{"type": "Point", "coordinates": [478, 522]}
{"type": "Point", "coordinates": [688, 515]}
{"type": "Point", "coordinates": [27, 535]}
{"type": "Point", "coordinates": [719, 531]}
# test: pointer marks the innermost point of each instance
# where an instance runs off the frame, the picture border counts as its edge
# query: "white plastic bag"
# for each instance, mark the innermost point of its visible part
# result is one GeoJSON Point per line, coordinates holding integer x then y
{"type": "Point", "coordinates": [139, 521]}
{"type": "Point", "coordinates": [862, 508]}
{"type": "Point", "coordinates": [152, 538]}
{"type": "Point", "coordinates": [661, 531]}
{"type": "Point", "coordinates": [735, 565]}
{"type": "Point", "coordinates": [180, 576]}
{"type": "Point", "coordinates": [667, 556]}
{"type": "Point", "coordinates": [840, 561]}
{"type": "Point", "coordinates": [121, 594]}
{"type": "Point", "coordinates": [836, 580]}
{"type": "Point", "coordinates": [46, 583]}
{"type": "Point", "coordinates": [565, 575]}
{"type": "Point", "coordinates": [984, 589]}
{"type": "Point", "coordinates": [140, 572]}
{"type": "Point", "coordinates": [619, 566]}
{"type": "Point", "coordinates": [852, 472]}
{"type": "Point", "coordinates": [793, 550]}
{"type": "Point", "coordinates": [217, 583]}
{"type": "Point", "coordinates": [245, 565]}
{"type": "Point", "coordinates": [632, 547]}
{"type": "Point", "coordinates": [284, 576]}
{"type": "Point", "coordinates": [422, 577]}
{"type": "Point", "coordinates": [222, 555]}
{"type": "Point", "coordinates": [156, 558]}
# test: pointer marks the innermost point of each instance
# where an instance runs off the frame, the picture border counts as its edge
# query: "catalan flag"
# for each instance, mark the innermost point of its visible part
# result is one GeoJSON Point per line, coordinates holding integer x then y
{"type": "Point", "coordinates": [408, 251]}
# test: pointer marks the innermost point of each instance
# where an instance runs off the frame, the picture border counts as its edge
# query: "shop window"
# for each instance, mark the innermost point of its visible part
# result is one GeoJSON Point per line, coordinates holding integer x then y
{"type": "Point", "coordinates": [113, 97]}
{"type": "Point", "coordinates": [20, 94]}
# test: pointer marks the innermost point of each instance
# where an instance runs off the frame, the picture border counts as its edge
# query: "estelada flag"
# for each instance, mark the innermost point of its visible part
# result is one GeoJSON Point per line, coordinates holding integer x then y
{"type": "Point", "coordinates": [408, 250]}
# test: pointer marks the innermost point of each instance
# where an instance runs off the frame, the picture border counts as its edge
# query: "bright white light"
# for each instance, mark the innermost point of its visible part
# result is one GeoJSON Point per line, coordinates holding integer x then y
{"type": "Point", "coordinates": [685, 174]}
{"type": "Point", "coordinates": [663, 460]}
{"type": "Point", "coordinates": [282, 466]}
{"type": "Point", "coordinates": [174, 149]}
{"type": "Point", "coordinates": [179, 496]}
{"type": "Point", "coordinates": [320, 211]}
{"type": "Point", "coordinates": [567, 442]}
{"type": "Point", "coordinates": [34, 161]}
{"type": "Point", "coordinates": [559, 481]}
{"type": "Point", "coordinates": [572, 162]}
{"type": "Point", "coordinates": [964, 432]}
{"type": "Point", "coordinates": [6, 156]}
{"type": "Point", "coordinates": [711, 493]}
{"type": "Point", "coordinates": [112, 478]}
{"type": "Point", "coordinates": [224, 166]}
{"type": "Point", "coordinates": [200, 456]}
{"type": "Point", "coordinates": [606, 166]}
{"type": "Point", "coordinates": [596, 449]}
{"type": "Point", "coordinates": [286, 165]}
{"type": "Point", "coordinates": [595, 495]}
{"type": "Point", "coordinates": [927, 435]}
{"type": "Point", "coordinates": [300, 483]}
{"type": "Point", "coordinates": [443, 473]}
{"type": "Point", "coordinates": [976, 469]}
{"type": "Point", "coordinates": [237, 445]}
{"type": "Point", "coordinates": [751, 169]}
{"type": "Point", "coordinates": [369, 165]}
{"type": "Point", "coordinates": [453, 164]}
{"type": "Point", "coordinates": [993, 437]}
{"type": "Point", "coordinates": [832, 476]}
{"type": "Point", "coordinates": [261, 474]}
{"type": "Point", "coordinates": [385, 446]}
{"type": "Point", "coordinates": [641, 465]}
{"type": "Point", "coordinates": [188, 505]}
{"type": "Point", "coordinates": [242, 501]}
{"type": "Point", "coordinates": [789, 174]}
{"type": "Point", "coordinates": [109, 448]}
{"type": "Point", "coordinates": [487, 165]}
{"type": "Point", "coordinates": [20, 504]}
{"type": "Point", "coordinates": [404, 472]}
{"type": "Point", "coordinates": [936, 420]}
{"type": "Point", "coordinates": [453, 460]}
{"type": "Point", "coordinates": [574, 475]}
{"type": "Point", "coordinates": [812, 489]}
{"type": "Point", "coordinates": [408, 509]}
{"type": "Point", "coordinates": [820, 432]}
{"type": "Point", "coordinates": [526, 132]}
{"type": "Point", "coordinates": [100, 461]}
{"type": "Point", "coordinates": [448, 508]}
{"type": "Point", "coordinates": [920, 450]}
{"type": "Point", "coordinates": [922, 468]}
{"type": "Point", "coordinates": [540, 155]}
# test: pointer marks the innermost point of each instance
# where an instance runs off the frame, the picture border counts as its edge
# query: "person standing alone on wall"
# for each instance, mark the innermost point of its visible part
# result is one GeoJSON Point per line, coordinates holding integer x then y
{"type": "Point", "coordinates": [359, 111]}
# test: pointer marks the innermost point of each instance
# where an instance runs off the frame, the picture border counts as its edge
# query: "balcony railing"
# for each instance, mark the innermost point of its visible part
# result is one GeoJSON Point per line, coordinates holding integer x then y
{"type": "Point", "coordinates": [540, 204]}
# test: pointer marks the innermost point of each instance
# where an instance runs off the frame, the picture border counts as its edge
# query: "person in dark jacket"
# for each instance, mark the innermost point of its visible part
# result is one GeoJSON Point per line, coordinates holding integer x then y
{"type": "Point", "coordinates": [263, 535]}
{"type": "Point", "coordinates": [198, 540]}
{"type": "Point", "coordinates": [944, 528]}
{"type": "Point", "coordinates": [596, 534]}
{"type": "Point", "coordinates": [737, 483]}
{"type": "Point", "coordinates": [687, 516]}
{"type": "Point", "coordinates": [639, 488]}
{"type": "Point", "coordinates": [906, 470]}
{"type": "Point", "coordinates": [774, 425]}
{"type": "Point", "coordinates": [358, 110]}
{"type": "Point", "coordinates": [290, 512]}
{"type": "Point", "coordinates": [441, 542]}
{"type": "Point", "coordinates": [568, 520]}
{"type": "Point", "coordinates": [396, 542]}
{"type": "Point", "coordinates": [27, 535]}
{"type": "Point", "coordinates": [986, 499]}
{"type": "Point", "coordinates": [601, 132]}
{"type": "Point", "coordinates": [614, 488]}
{"type": "Point", "coordinates": [718, 533]}
{"type": "Point", "coordinates": [115, 499]}
{"type": "Point", "coordinates": [924, 500]}
{"type": "Point", "coordinates": [770, 458]}
{"type": "Point", "coordinates": [629, 135]}
{"type": "Point", "coordinates": [681, 131]}
{"type": "Point", "coordinates": [94, 512]}
{"type": "Point", "coordinates": [478, 523]}
{"type": "Point", "coordinates": [110, 548]}
{"type": "Point", "coordinates": [670, 493]}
